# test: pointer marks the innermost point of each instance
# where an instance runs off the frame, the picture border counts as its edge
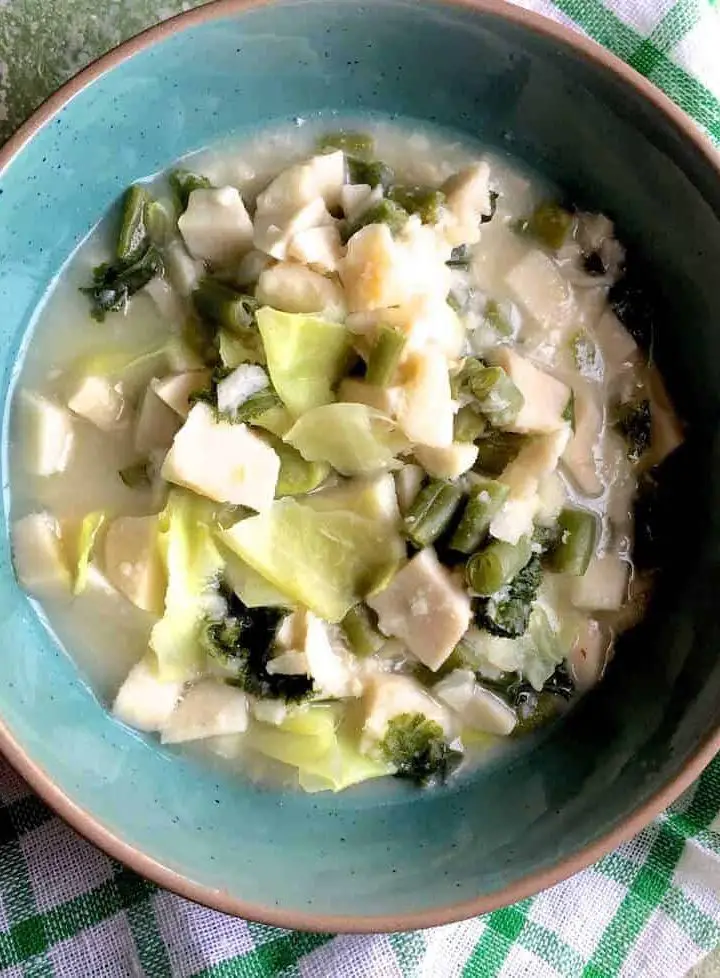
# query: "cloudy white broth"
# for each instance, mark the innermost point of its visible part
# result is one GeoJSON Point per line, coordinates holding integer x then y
{"type": "Point", "coordinates": [326, 451]}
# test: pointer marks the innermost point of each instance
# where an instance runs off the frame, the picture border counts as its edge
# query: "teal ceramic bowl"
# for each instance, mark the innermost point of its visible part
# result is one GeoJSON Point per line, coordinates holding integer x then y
{"type": "Point", "coordinates": [384, 857]}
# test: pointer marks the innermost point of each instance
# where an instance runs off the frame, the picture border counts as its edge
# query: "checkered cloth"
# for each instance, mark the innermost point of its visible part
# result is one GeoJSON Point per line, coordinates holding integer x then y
{"type": "Point", "coordinates": [650, 910]}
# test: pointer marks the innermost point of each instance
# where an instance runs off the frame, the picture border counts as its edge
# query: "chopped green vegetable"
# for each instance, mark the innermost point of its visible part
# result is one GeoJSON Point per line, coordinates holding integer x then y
{"type": "Point", "coordinates": [496, 565]}
{"type": "Point", "coordinates": [486, 499]}
{"type": "Point", "coordinates": [577, 540]}
{"type": "Point", "coordinates": [418, 749]}
{"type": "Point", "coordinates": [385, 356]}
{"type": "Point", "coordinates": [497, 320]}
{"type": "Point", "coordinates": [569, 411]}
{"type": "Point", "coordinates": [498, 397]}
{"type": "Point", "coordinates": [468, 424]}
{"type": "Point", "coordinates": [136, 476]}
{"type": "Point", "coordinates": [361, 631]}
{"type": "Point", "coordinates": [159, 223]}
{"type": "Point", "coordinates": [548, 224]}
{"type": "Point", "coordinates": [242, 345]}
{"type": "Point", "coordinates": [223, 305]}
{"type": "Point", "coordinates": [90, 530]}
{"type": "Point", "coordinates": [432, 512]}
{"type": "Point", "coordinates": [326, 560]}
{"type": "Point", "coordinates": [133, 237]}
{"type": "Point", "coordinates": [507, 613]}
{"type": "Point", "coordinates": [496, 450]}
{"type": "Point", "coordinates": [534, 707]}
{"type": "Point", "coordinates": [183, 182]}
{"type": "Point", "coordinates": [306, 357]}
{"type": "Point", "coordinates": [114, 284]}
{"type": "Point", "coordinates": [634, 422]}
{"type": "Point", "coordinates": [251, 409]}
{"type": "Point", "coordinates": [354, 438]}
{"type": "Point", "coordinates": [357, 144]}
{"type": "Point", "coordinates": [252, 588]}
{"type": "Point", "coordinates": [193, 564]}
{"type": "Point", "coordinates": [423, 201]}
{"type": "Point", "coordinates": [372, 172]}
{"type": "Point", "coordinates": [384, 212]}
{"type": "Point", "coordinates": [242, 643]}
{"type": "Point", "coordinates": [296, 474]}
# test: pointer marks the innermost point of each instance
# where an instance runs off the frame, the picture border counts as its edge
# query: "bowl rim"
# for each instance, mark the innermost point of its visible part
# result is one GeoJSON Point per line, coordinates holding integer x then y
{"type": "Point", "coordinates": [216, 899]}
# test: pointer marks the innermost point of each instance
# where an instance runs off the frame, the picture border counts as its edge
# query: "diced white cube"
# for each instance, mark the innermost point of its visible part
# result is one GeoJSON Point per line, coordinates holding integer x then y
{"type": "Point", "coordinates": [274, 232]}
{"type": "Point", "coordinates": [540, 288]}
{"type": "Point", "coordinates": [100, 402]}
{"type": "Point", "coordinates": [157, 424]}
{"type": "Point", "coordinates": [132, 562]}
{"type": "Point", "coordinates": [581, 455]}
{"type": "Point", "coordinates": [177, 389]}
{"type": "Point", "coordinates": [208, 709]}
{"type": "Point", "coordinates": [144, 701]}
{"type": "Point", "coordinates": [222, 461]}
{"type": "Point", "coordinates": [48, 434]}
{"type": "Point", "coordinates": [603, 586]}
{"type": "Point", "coordinates": [425, 608]}
{"type": "Point", "coordinates": [216, 227]}
{"type": "Point", "coordinates": [319, 247]}
{"type": "Point", "coordinates": [476, 706]}
{"type": "Point", "coordinates": [467, 201]}
{"type": "Point", "coordinates": [320, 176]}
{"type": "Point", "coordinates": [389, 696]}
{"type": "Point", "coordinates": [356, 198]}
{"type": "Point", "coordinates": [425, 409]}
{"type": "Point", "coordinates": [545, 397]}
{"type": "Point", "coordinates": [449, 462]}
{"type": "Point", "coordinates": [38, 556]}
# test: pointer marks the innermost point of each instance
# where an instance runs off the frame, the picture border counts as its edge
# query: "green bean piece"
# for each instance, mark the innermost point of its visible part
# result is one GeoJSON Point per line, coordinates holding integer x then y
{"type": "Point", "coordinates": [158, 222]}
{"type": "Point", "coordinates": [576, 546]}
{"type": "Point", "coordinates": [486, 499]}
{"type": "Point", "coordinates": [221, 304]}
{"type": "Point", "coordinates": [492, 568]}
{"type": "Point", "coordinates": [133, 237]}
{"type": "Point", "coordinates": [384, 212]}
{"type": "Point", "coordinates": [183, 182]}
{"type": "Point", "coordinates": [114, 284]}
{"type": "Point", "coordinates": [385, 356]}
{"type": "Point", "coordinates": [361, 632]}
{"type": "Point", "coordinates": [359, 144]}
{"type": "Point", "coordinates": [497, 320]}
{"type": "Point", "coordinates": [432, 512]}
{"type": "Point", "coordinates": [423, 201]}
{"type": "Point", "coordinates": [468, 424]}
{"type": "Point", "coordinates": [498, 397]}
{"type": "Point", "coordinates": [496, 451]}
{"type": "Point", "coordinates": [548, 224]}
{"type": "Point", "coordinates": [375, 173]}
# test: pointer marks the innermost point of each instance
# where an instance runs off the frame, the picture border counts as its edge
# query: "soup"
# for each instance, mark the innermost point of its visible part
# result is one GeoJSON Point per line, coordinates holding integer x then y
{"type": "Point", "coordinates": [326, 449]}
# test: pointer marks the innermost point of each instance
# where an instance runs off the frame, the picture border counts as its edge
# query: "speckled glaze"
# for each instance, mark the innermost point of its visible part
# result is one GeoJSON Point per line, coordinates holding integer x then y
{"type": "Point", "coordinates": [382, 856]}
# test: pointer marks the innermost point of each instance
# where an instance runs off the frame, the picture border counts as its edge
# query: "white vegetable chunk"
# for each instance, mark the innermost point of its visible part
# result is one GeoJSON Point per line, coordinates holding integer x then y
{"type": "Point", "coordinates": [389, 696]}
{"type": "Point", "coordinates": [477, 707]}
{"type": "Point", "coordinates": [48, 434]}
{"type": "Point", "coordinates": [177, 389]}
{"type": "Point", "coordinates": [603, 587]}
{"type": "Point", "coordinates": [589, 654]}
{"type": "Point", "coordinates": [617, 346]}
{"type": "Point", "coordinates": [425, 410]}
{"type": "Point", "coordinates": [449, 462]}
{"type": "Point", "coordinates": [545, 397]}
{"type": "Point", "coordinates": [356, 198]}
{"type": "Point", "coordinates": [408, 482]}
{"type": "Point", "coordinates": [383, 399]}
{"type": "Point", "coordinates": [295, 288]}
{"type": "Point", "coordinates": [580, 456]}
{"type": "Point", "coordinates": [273, 232]}
{"type": "Point", "coordinates": [289, 664]}
{"type": "Point", "coordinates": [239, 386]}
{"type": "Point", "coordinates": [132, 562]}
{"type": "Point", "coordinates": [333, 669]}
{"type": "Point", "coordinates": [38, 556]}
{"type": "Point", "coordinates": [216, 226]}
{"type": "Point", "coordinates": [320, 176]}
{"type": "Point", "coordinates": [100, 402]}
{"type": "Point", "coordinates": [539, 287]}
{"type": "Point", "coordinates": [183, 271]}
{"type": "Point", "coordinates": [157, 424]}
{"type": "Point", "coordinates": [143, 701]}
{"type": "Point", "coordinates": [222, 461]}
{"type": "Point", "coordinates": [208, 709]}
{"type": "Point", "coordinates": [424, 607]}
{"type": "Point", "coordinates": [319, 247]}
{"type": "Point", "coordinates": [467, 201]}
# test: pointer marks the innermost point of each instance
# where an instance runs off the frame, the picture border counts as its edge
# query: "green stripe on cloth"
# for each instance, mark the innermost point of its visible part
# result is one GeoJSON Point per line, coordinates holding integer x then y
{"type": "Point", "coordinates": [151, 950]}
{"type": "Point", "coordinates": [502, 929]}
{"type": "Point", "coordinates": [606, 27]}
{"type": "Point", "coordinates": [271, 958]}
{"type": "Point", "coordinates": [652, 881]}
{"type": "Point", "coordinates": [676, 23]}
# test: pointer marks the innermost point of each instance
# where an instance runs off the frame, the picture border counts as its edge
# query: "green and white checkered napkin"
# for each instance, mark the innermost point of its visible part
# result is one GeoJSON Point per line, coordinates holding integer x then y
{"type": "Point", "coordinates": [650, 910]}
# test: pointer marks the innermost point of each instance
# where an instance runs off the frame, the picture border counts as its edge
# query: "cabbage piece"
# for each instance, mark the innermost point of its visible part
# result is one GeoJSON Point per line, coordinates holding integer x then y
{"type": "Point", "coordinates": [193, 563]}
{"type": "Point", "coordinates": [306, 357]}
{"type": "Point", "coordinates": [374, 499]}
{"type": "Point", "coordinates": [354, 438]}
{"type": "Point", "coordinates": [252, 588]}
{"type": "Point", "coordinates": [277, 420]}
{"type": "Point", "coordinates": [326, 758]}
{"type": "Point", "coordinates": [88, 537]}
{"type": "Point", "coordinates": [326, 561]}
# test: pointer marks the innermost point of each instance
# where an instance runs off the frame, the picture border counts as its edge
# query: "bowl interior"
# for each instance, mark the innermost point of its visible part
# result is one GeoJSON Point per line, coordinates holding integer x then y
{"type": "Point", "coordinates": [379, 850]}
